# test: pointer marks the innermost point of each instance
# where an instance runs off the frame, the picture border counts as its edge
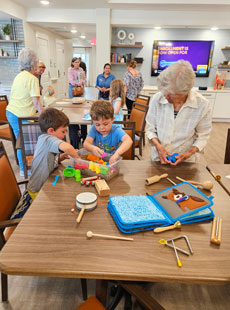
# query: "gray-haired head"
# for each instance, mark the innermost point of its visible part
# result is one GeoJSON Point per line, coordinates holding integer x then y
{"type": "Point", "coordinates": [177, 78]}
{"type": "Point", "coordinates": [27, 59]}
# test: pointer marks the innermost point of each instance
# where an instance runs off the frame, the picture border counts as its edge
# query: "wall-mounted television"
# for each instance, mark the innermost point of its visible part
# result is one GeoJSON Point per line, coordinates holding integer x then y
{"type": "Point", "coordinates": [198, 53]}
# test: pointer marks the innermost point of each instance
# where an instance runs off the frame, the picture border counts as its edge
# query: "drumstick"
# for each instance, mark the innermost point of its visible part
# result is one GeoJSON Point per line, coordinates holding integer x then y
{"type": "Point", "coordinates": [78, 220]}
{"type": "Point", "coordinates": [90, 234]}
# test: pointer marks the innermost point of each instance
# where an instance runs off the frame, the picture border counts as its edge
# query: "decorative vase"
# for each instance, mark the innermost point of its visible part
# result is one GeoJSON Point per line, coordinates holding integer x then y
{"type": "Point", "coordinates": [7, 37]}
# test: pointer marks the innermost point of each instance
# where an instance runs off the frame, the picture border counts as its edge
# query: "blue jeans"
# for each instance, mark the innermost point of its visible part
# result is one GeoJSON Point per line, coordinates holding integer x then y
{"type": "Point", "coordinates": [13, 120]}
{"type": "Point", "coordinates": [70, 90]}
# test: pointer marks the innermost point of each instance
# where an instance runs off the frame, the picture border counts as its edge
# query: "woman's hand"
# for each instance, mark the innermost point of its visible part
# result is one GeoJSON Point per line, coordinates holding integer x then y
{"type": "Point", "coordinates": [183, 156]}
{"type": "Point", "coordinates": [97, 151]}
{"type": "Point", "coordinates": [162, 153]}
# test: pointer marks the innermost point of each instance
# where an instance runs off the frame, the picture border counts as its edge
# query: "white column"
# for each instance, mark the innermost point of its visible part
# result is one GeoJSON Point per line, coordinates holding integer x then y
{"type": "Point", "coordinates": [103, 38]}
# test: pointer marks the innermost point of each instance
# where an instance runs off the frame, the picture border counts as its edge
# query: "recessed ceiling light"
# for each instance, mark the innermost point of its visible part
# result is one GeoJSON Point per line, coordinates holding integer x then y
{"type": "Point", "coordinates": [44, 2]}
{"type": "Point", "coordinates": [82, 37]}
{"type": "Point", "coordinates": [214, 28]}
{"type": "Point", "coordinates": [73, 30]}
{"type": "Point", "coordinates": [157, 28]}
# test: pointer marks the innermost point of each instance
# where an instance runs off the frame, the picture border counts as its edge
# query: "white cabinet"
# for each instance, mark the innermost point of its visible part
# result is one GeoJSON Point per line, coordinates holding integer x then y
{"type": "Point", "coordinates": [222, 106]}
{"type": "Point", "coordinates": [149, 91]}
{"type": "Point", "coordinates": [211, 97]}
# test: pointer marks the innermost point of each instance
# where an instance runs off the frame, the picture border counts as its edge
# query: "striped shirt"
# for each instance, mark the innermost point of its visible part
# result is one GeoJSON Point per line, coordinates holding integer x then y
{"type": "Point", "coordinates": [191, 127]}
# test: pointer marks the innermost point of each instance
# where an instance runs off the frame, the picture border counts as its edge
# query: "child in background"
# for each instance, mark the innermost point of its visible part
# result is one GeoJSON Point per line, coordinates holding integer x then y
{"type": "Point", "coordinates": [49, 97]}
{"type": "Point", "coordinates": [117, 96]}
{"type": "Point", "coordinates": [104, 136]}
{"type": "Point", "coordinates": [50, 150]}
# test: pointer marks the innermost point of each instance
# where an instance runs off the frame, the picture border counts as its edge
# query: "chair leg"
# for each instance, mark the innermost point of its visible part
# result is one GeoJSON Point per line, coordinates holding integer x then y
{"type": "Point", "coordinates": [84, 288]}
{"type": "Point", "coordinates": [4, 282]}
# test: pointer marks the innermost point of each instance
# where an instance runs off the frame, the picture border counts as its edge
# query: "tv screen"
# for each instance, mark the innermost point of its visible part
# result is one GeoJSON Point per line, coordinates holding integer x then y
{"type": "Point", "coordinates": [198, 53]}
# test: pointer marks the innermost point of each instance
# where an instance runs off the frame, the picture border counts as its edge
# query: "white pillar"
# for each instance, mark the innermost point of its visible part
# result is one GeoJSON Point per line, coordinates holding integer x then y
{"type": "Point", "coordinates": [103, 39]}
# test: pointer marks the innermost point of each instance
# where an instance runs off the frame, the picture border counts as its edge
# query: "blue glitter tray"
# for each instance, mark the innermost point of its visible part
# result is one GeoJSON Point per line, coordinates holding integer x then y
{"type": "Point", "coordinates": [182, 202]}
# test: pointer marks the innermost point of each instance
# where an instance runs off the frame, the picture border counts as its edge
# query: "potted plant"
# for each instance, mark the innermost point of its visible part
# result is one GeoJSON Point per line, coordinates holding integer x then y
{"type": "Point", "coordinates": [7, 31]}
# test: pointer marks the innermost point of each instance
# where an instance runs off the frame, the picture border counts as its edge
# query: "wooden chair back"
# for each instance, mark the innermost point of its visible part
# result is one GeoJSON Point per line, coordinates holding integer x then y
{"type": "Point", "coordinates": [227, 149]}
{"type": "Point", "coordinates": [9, 190]}
{"type": "Point", "coordinates": [142, 99]}
{"type": "Point", "coordinates": [129, 128]}
{"type": "Point", "coordinates": [29, 131]}
{"type": "Point", "coordinates": [3, 105]}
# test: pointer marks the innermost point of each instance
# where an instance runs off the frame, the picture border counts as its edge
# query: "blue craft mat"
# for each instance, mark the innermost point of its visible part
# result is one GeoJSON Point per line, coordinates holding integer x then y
{"type": "Point", "coordinates": [136, 209]}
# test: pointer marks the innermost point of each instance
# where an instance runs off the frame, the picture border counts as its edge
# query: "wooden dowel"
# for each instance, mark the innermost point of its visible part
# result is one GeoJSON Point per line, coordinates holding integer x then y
{"type": "Point", "coordinates": [171, 181]}
{"type": "Point", "coordinates": [90, 234]}
{"type": "Point", "coordinates": [180, 179]}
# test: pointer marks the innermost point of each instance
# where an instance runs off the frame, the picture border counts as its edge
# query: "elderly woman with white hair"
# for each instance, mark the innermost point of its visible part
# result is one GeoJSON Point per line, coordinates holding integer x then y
{"type": "Point", "coordinates": [179, 118]}
{"type": "Point", "coordinates": [25, 94]}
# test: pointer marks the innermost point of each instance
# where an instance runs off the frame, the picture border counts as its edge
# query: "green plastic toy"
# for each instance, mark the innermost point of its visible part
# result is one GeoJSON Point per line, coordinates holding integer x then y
{"type": "Point", "coordinates": [78, 175]}
{"type": "Point", "coordinates": [69, 172]}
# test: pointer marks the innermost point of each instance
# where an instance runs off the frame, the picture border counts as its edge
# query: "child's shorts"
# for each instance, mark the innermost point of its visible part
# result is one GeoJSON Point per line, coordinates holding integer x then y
{"type": "Point", "coordinates": [23, 205]}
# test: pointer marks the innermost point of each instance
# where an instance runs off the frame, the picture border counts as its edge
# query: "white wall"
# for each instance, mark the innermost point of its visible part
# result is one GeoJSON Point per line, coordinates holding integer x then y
{"type": "Point", "coordinates": [147, 36]}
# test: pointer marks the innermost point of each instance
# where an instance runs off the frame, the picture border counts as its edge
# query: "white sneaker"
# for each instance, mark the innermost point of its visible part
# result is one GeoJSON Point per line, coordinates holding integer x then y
{"type": "Point", "coordinates": [22, 173]}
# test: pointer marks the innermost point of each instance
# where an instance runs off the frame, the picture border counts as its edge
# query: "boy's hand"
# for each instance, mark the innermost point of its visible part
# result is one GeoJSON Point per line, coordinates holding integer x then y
{"type": "Point", "coordinates": [113, 158]}
{"type": "Point", "coordinates": [63, 157]}
{"type": "Point", "coordinates": [97, 151]}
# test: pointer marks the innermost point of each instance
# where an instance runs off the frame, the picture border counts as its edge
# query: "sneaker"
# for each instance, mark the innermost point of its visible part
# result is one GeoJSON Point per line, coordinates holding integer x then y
{"type": "Point", "coordinates": [22, 173]}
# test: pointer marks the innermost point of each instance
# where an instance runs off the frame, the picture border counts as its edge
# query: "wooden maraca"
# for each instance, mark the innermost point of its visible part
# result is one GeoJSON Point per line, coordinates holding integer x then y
{"type": "Point", "coordinates": [208, 185]}
{"type": "Point", "coordinates": [155, 179]}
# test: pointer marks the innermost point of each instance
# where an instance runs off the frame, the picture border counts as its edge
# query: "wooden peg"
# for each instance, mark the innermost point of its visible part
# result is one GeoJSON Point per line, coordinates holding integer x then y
{"type": "Point", "coordinates": [155, 179]}
{"type": "Point", "coordinates": [102, 188]}
{"type": "Point", "coordinates": [216, 230]}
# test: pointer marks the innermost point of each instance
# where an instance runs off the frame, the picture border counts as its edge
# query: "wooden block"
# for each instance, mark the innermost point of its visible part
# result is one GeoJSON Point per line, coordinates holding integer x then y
{"type": "Point", "coordinates": [102, 188]}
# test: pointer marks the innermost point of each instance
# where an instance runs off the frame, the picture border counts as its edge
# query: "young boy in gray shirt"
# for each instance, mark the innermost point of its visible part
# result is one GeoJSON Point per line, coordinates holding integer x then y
{"type": "Point", "coordinates": [50, 150]}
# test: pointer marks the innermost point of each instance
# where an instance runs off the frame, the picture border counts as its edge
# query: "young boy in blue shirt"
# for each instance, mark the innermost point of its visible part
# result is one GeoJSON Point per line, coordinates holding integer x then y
{"type": "Point", "coordinates": [104, 136]}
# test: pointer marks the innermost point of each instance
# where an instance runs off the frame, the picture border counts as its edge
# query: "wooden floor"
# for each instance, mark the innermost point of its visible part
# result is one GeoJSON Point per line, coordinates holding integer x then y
{"type": "Point", "coordinates": [33, 293]}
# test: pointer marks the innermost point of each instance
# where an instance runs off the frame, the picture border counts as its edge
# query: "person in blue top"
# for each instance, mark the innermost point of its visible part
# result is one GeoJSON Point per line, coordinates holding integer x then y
{"type": "Point", "coordinates": [103, 82]}
{"type": "Point", "coordinates": [104, 136]}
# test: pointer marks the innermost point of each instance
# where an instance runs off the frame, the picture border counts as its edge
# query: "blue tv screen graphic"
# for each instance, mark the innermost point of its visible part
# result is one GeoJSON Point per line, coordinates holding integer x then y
{"type": "Point", "coordinates": [198, 53]}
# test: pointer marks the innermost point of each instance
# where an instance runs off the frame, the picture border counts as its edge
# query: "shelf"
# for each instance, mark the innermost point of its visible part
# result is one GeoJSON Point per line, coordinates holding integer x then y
{"type": "Point", "coordinates": [14, 57]}
{"type": "Point", "coordinates": [11, 41]}
{"type": "Point", "coordinates": [122, 63]}
{"type": "Point", "coordinates": [127, 45]}
{"type": "Point", "coordinates": [224, 66]}
{"type": "Point", "coordinates": [226, 48]}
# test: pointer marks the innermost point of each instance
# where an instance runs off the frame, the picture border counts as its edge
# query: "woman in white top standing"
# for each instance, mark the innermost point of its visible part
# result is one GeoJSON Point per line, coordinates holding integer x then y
{"type": "Point", "coordinates": [179, 118]}
{"type": "Point", "coordinates": [76, 77]}
{"type": "Point", "coordinates": [133, 84]}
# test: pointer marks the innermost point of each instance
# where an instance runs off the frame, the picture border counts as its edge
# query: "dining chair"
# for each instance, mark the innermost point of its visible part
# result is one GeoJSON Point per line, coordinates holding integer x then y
{"type": "Point", "coordinates": [138, 115]}
{"type": "Point", "coordinates": [142, 99]}
{"type": "Point", "coordinates": [129, 128]}
{"type": "Point", "coordinates": [227, 149]}
{"type": "Point", "coordinates": [29, 131]}
{"type": "Point", "coordinates": [6, 132]}
{"type": "Point", "coordinates": [10, 195]}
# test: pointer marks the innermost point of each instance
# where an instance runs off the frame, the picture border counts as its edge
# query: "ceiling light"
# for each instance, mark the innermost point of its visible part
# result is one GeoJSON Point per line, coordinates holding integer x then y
{"type": "Point", "coordinates": [82, 37]}
{"type": "Point", "coordinates": [214, 28]}
{"type": "Point", "coordinates": [157, 28]}
{"type": "Point", "coordinates": [73, 30]}
{"type": "Point", "coordinates": [44, 2]}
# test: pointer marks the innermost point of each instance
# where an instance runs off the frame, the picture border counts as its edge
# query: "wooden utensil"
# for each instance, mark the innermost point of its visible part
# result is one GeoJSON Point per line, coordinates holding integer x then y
{"type": "Point", "coordinates": [208, 185]}
{"type": "Point", "coordinates": [90, 234]}
{"type": "Point", "coordinates": [161, 229]}
{"type": "Point", "coordinates": [171, 181]}
{"type": "Point", "coordinates": [155, 179]}
{"type": "Point", "coordinates": [85, 202]}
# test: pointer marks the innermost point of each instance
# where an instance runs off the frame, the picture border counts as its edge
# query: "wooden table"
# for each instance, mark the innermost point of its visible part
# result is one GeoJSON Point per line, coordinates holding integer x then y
{"type": "Point", "coordinates": [222, 171]}
{"type": "Point", "coordinates": [48, 242]}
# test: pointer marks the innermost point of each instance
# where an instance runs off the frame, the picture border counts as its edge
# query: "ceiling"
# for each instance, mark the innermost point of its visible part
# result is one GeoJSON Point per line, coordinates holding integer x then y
{"type": "Point", "coordinates": [89, 30]}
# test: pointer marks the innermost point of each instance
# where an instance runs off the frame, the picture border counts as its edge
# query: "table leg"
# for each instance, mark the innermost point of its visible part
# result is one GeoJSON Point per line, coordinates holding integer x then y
{"type": "Point", "coordinates": [101, 291]}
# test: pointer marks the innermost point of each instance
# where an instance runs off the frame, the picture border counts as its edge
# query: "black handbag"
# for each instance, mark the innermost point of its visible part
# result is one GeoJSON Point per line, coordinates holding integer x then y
{"type": "Point", "coordinates": [104, 95]}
